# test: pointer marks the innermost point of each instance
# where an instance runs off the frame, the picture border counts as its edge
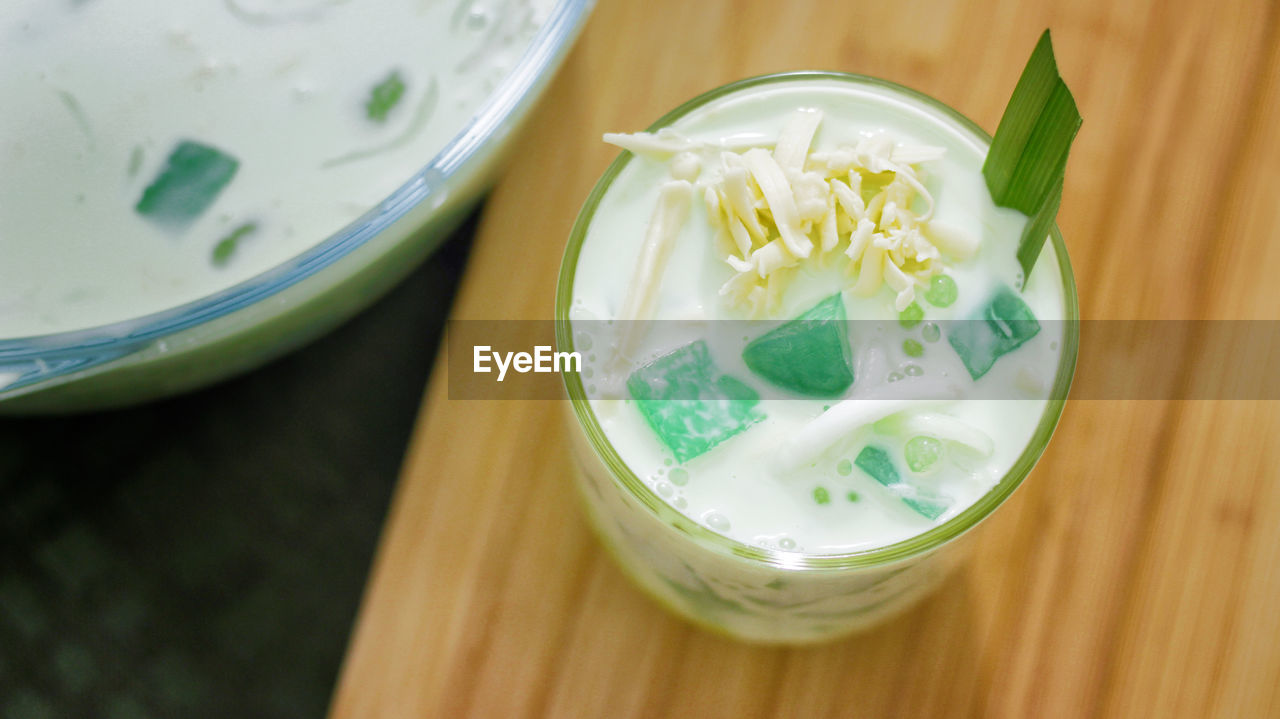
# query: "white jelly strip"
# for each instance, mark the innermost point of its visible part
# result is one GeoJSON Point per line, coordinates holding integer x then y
{"type": "Point", "coordinates": [902, 284]}
{"type": "Point", "coordinates": [669, 214]}
{"type": "Point", "coordinates": [908, 176]}
{"type": "Point", "coordinates": [662, 145]}
{"type": "Point", "coordinates": [782, 204]}
{"type": "Point", "coordinates": [849, 200]}
{"type": "Point", "coordinates": [945, 427]}
{"type": "Point", "coordinates": [741, 203]}
{"type": "Point", "coordinates": [829, 231]}
{"type": "Point", "coordinates": [916, 154]}
{"type": "Point", "coordinates": [797, 135]}
{"type": "Point", "coordinates": [870, 273]}
{"type": "Point", "coordinates": [951, 240]}
{"type": "Point", "coordinates": [848, 416]}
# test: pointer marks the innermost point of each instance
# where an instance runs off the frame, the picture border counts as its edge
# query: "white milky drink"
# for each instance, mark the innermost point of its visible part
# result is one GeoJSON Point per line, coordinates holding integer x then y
{"type": "Point", "coordinates": [813, 501]}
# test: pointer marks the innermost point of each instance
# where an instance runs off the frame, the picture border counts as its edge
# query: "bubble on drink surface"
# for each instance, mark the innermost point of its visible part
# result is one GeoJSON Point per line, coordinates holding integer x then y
{"type": "Point", "coordinates": [588, 372]}
{"type": "Point", "coordinates": [913, 370]}
{"type": "Point", "coordinates": [668, 461]}
{"type": "Point", "coordinates": [716, 521]}
{"type": "Point", "coordinates": [585, 342]}
{"type": "Point", "coordinates": [477, 19]}
{"type": "Point", "coordinates": [665, 489]}
{"type": "Point", "coordinates": [787, 543]}
{"type": "Point", "coordinates": [895, 376]}
{"type": "Point", "coordinates": [931, 332]}
{"type": "Point", "coordinates": [681, 503]}
{"type": "Point", "coordinates": [679, 476]}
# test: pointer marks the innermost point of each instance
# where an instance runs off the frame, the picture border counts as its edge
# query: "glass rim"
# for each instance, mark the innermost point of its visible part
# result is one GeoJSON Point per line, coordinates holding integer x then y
{"type": "Point", "coordinates": [54, 355]}
{"type": "Point", "coordinates": [915, 545]}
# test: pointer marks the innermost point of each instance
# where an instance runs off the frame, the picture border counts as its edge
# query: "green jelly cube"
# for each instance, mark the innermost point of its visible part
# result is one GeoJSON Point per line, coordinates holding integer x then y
{"type": "Point", "coordinates": [689, 403]}
{"type": "Point", "coordinates": [927, 507]}
{"type": "Point", "coordinates": [1002, 326]}
{"type": "Point", "coordinates": [876, 462]}
{"type": "Point", "coordinates": [809, 355]}
{"type": "Point", "coordinates": [191, 180]}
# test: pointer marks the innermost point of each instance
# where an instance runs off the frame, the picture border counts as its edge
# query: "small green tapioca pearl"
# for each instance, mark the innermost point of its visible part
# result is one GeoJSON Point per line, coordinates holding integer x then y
{"type": "Point", "coordinates": [931, 332]}
{"type": "Point", "coordinates": [911, 316]}
{"type": "Point", "coordinates": [942, 291]}
{"type": "Point", "coordinates": [852, 496]}
{"type": "Point", "coordinates": [844, 467]}
{"type": "Point", "coordinates": [679, 476]}
{"type": "Point", "coordinates": [922, 453]}
{"type": "Point", "coordinates": [912, 348]}
{"type": "Point", "coordinates": [821, 495]}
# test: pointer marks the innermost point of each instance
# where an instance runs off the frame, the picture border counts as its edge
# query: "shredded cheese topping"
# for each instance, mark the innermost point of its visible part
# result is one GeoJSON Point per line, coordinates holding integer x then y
{"type": "Point", "coordinates": [775, 209]}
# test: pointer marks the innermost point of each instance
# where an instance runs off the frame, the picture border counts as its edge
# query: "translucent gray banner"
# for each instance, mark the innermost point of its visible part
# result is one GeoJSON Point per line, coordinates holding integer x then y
{"type": "Point", "coordinates": [978, 359]}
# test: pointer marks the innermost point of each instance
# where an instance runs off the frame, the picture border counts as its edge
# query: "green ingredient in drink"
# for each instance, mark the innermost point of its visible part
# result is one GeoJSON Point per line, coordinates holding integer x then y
{"type": "Point", "coordinates": [690, 403]}
{"type": "Point", "coordinates": [876, 462]}
{"type": "Point", "coordinates": [852, 496]}
{"type": "Point", "coordinates": [1000, 327]}
{"type": "Point", "coordinates": [192, 178]}
{"type": "Point", "coordinates": [821, 495]}
{"type": "Point", "coordinates": [912, 348]}
{"type": "Point", "coordinates": [942, 291]}
{"type": "Point", "coordinates": [911, 316]}
{"type": "Point", "coordinates": [809, 355]}
{"type": "Point", "coordinates": [226, 247]}
{"type": "Point", "coordinates": [384, 97]}
{"type": "Point", "coordinates": [844, 467]}
{"type": "Point", "coordinates": [1025, 166]}
{"type": "Point", "coordinates": [136, 156]}
{"type": "Point", "coordinates": [922, 453]}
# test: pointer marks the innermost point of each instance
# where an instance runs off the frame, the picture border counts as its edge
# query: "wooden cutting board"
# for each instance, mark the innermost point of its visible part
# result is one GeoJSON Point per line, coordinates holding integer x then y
{"type": "Point", "coordinates": [1135, 574]}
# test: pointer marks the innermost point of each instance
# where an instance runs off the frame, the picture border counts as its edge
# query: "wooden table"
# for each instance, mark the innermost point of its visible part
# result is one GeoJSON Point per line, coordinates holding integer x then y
{"type": "Point", "coordinates": [1136, 573]}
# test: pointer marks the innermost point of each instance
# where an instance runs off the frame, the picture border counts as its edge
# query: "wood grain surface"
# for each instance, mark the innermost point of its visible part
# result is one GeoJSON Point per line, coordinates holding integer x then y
{"type": "Point", "coordinates": [1136, 573]}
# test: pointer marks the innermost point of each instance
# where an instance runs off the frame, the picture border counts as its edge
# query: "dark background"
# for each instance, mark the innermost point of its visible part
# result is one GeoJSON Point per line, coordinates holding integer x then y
{"type": "Point", "coordinates": [205, 555]}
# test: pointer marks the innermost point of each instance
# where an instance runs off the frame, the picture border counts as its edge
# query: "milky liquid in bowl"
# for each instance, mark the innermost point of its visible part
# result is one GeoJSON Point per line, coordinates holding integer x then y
{"type": "Point", "coordinates": [106, 89]}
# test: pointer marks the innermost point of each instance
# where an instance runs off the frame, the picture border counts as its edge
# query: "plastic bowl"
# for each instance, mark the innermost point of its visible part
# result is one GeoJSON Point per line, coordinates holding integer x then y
{"type": "Point", "coordinates": [239, 328]}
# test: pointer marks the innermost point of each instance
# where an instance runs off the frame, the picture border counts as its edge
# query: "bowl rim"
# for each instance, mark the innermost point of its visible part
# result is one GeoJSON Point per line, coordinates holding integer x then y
{"type": "Point", "coordinates": [911, 547]}
{"type": "Point", "coordinates": [28, 363]}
